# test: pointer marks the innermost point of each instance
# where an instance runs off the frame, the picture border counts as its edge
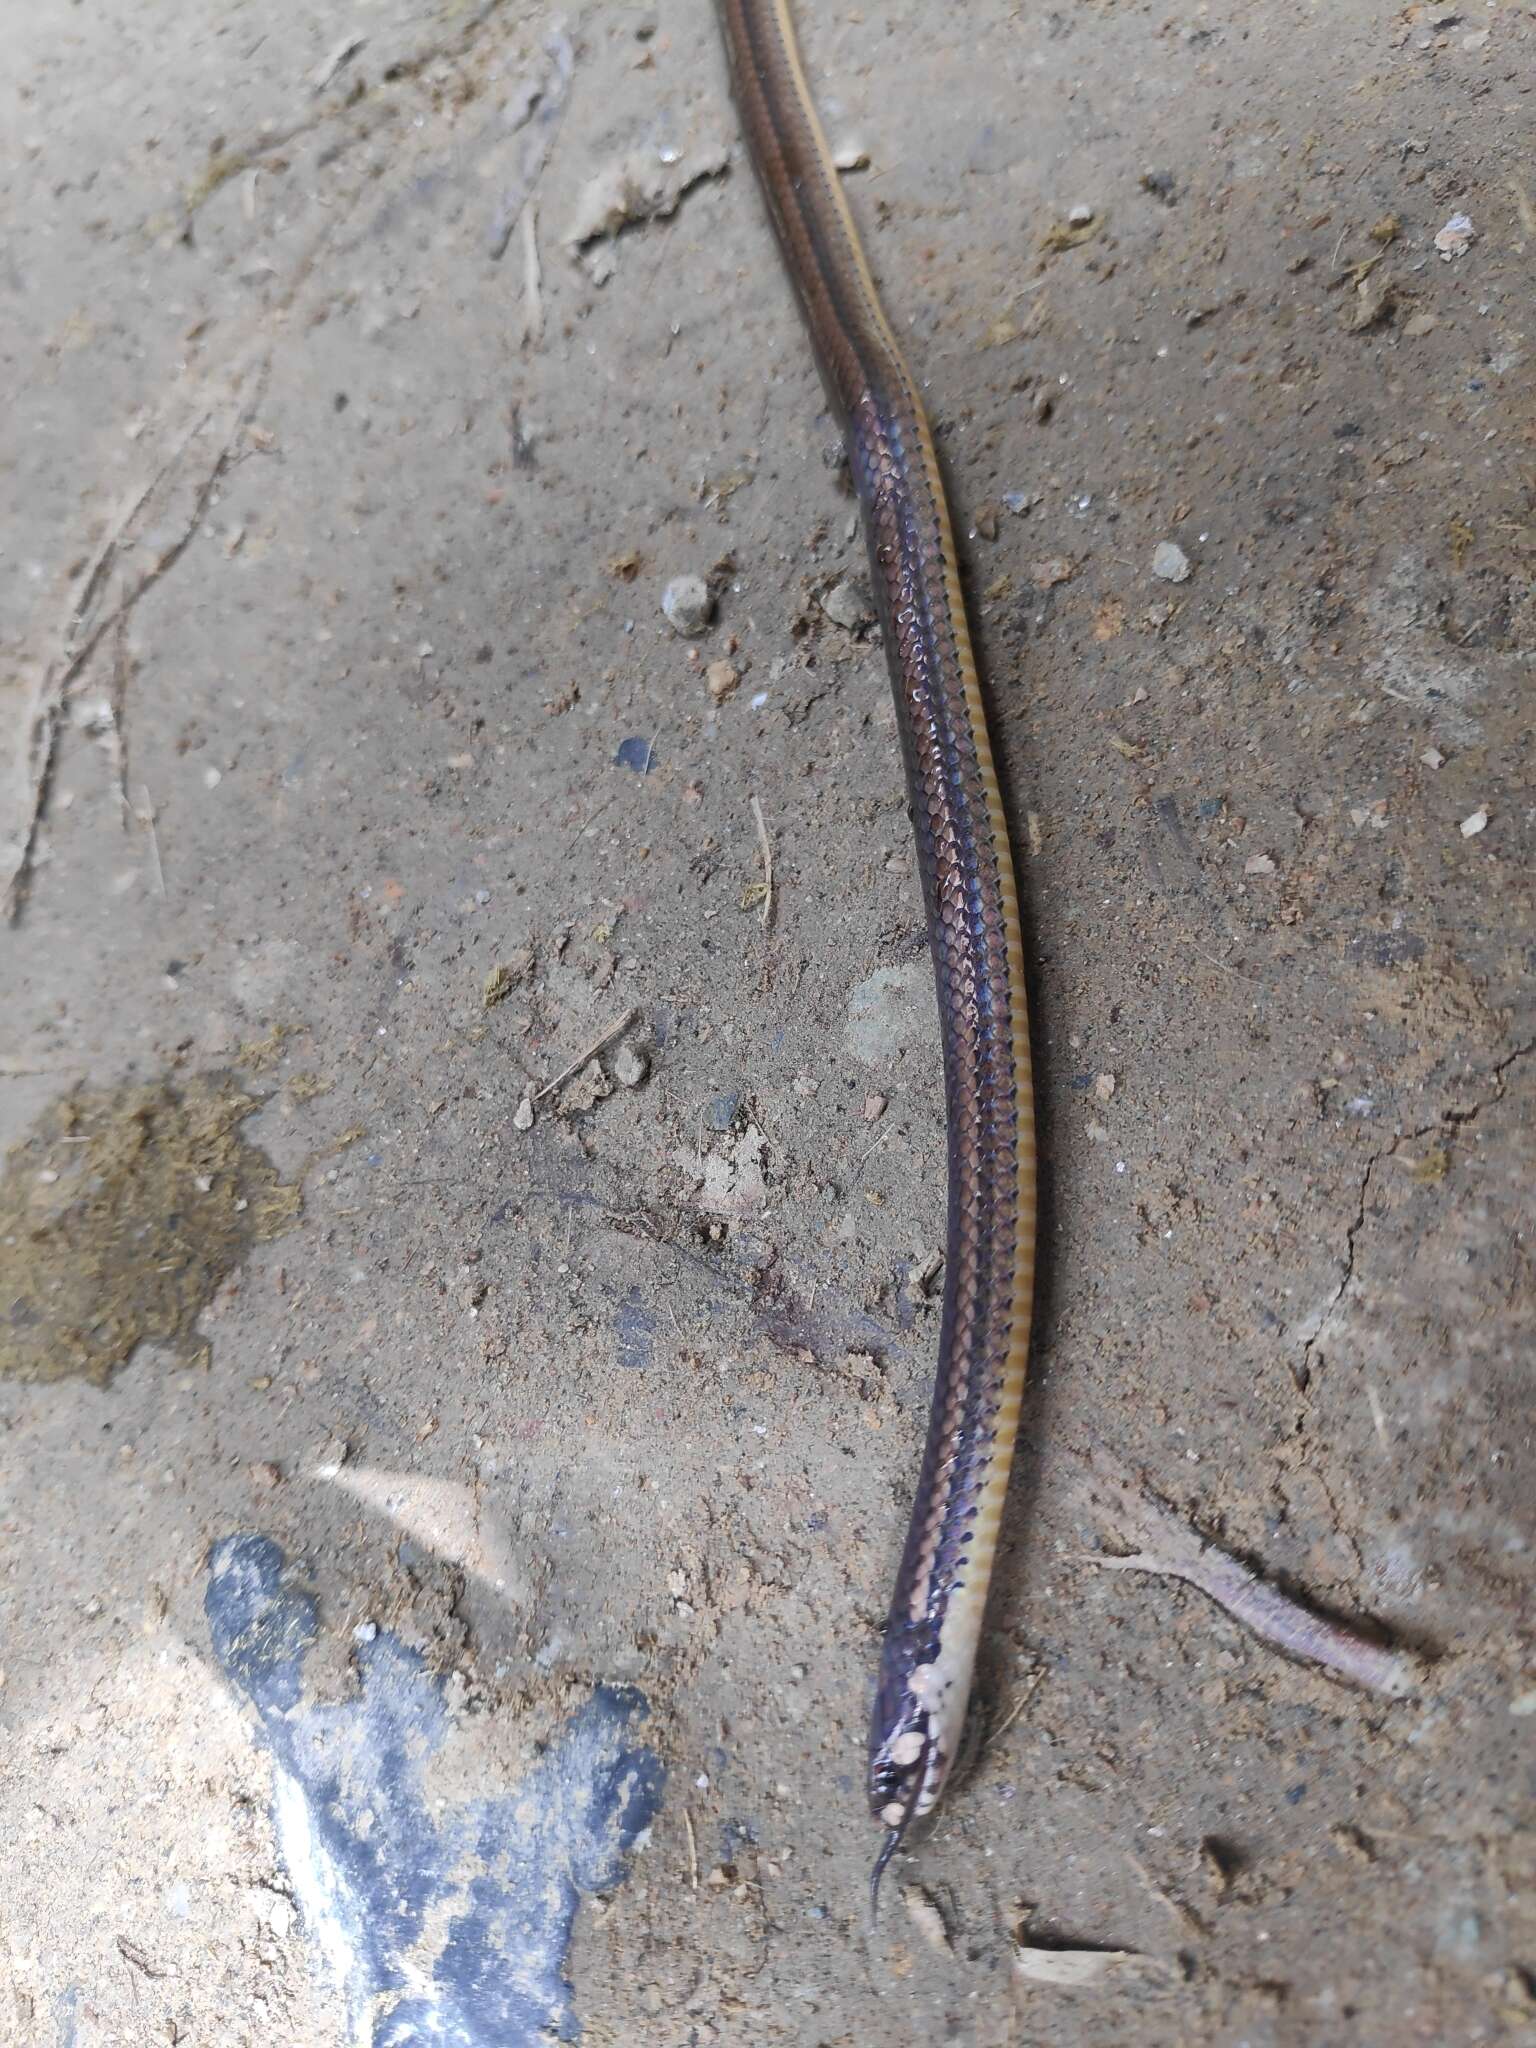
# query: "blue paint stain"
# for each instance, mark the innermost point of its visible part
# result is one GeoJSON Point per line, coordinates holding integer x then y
{"type": "Point", "coordinates": [637, 1332]}
{"type": "Point", "coordinates": [66, 2016]}
{"type": "Point", "coordinates": [721, 1113]}
{"type": "Point", "coordinates": [442, 1924]}
{"type": "Point", "coordinates": [636, 754]}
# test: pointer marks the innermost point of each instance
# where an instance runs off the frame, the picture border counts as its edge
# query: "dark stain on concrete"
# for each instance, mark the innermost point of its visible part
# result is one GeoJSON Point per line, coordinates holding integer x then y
{"type": "Point", "coordinates": [121, 1214]}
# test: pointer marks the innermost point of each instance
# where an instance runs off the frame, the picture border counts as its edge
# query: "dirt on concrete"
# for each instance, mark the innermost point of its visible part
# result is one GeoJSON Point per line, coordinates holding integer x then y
{"type": "Point", "coordinates": [373, 373]}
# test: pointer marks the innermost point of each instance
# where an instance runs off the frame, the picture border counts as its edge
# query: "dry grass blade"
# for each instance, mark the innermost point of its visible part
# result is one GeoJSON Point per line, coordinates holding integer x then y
{"type": "Point", "coordinates": [1084, 1969]}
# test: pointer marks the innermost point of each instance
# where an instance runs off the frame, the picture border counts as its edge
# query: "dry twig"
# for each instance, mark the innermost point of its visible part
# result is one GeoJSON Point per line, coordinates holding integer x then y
{"type": "Point", "coordinates": [604, 1038]}
{"type": "Point", "coordinates": [145, 813]}
{"type": "Point", "coordinates": [1171, 1549]}
{"type": "Point", "coordinates": [533, 301]}
{"type": "Point", "coordinates": [766, 849]}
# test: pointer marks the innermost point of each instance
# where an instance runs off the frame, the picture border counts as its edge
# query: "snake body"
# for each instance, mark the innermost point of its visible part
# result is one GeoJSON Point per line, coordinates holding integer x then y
{"type": "Point", "coordinates": [971, 899]}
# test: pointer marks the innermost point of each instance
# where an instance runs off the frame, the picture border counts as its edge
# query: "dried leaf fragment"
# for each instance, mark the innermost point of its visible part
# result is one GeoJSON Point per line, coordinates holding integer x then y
{"type": "Point", "coordinates": [1069, 234]}
{"type": "Point", "coordinates": [926, 1918]}
{"type": "Point", "coordinates": [1083, 1969]}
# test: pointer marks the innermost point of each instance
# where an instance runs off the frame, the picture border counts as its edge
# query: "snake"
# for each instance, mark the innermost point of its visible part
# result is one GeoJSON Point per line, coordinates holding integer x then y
{"type": "Point", "coordinates": [971, 899]}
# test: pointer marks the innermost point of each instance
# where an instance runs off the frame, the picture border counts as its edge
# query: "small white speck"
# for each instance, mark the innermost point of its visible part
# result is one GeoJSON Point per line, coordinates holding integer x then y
{"type": "Point", "coordinates": [1477, 822]}
{"type": "Point", "coordinates": [759, 700]}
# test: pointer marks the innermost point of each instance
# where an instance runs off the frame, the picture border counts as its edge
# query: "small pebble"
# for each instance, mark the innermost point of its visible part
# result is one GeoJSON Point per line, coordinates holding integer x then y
{"type": "Point", "coordinates": [590, 1087]}
{"type": "Point", "coordinates": [1432, 758]}
{"type": "Point", "coordinates": [1258, 864]}
{"type": "Point", "coordinates": [629, 1067]}
{"type": "Point", "coordinates": [1104, 1087]}
{"type": "Point", "coordinates": [280, 1918]}
{"type": "Point", "coordinates": [522, 1116]}
{"type": "Point", "coordinates": [688, 605]}
{"type": "Point", "coordinates": [1079, 216]}
{"type": "Point", "coordinates": [721, 679]}
{"type": "Point", "coordinates": [266, 1475]}
{"type": "Point", "coordinates": [874, 1108]}
{"type": "Point", "coordinates": [1455, 238]}
{"type": "Point", "coordinates": [848, 604]}
{"type": "Point", "coordinates": [365, 1632]}
{"type": "Point", "coordinates": [1470, 827]}
{"type": "Point", "coordinates": [1170, 562]}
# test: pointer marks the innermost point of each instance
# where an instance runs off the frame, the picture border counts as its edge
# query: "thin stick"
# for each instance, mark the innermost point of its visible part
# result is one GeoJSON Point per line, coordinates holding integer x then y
{"type": "Point", "coordinates": [533, 302]}
{"type": "Point", "coordinates": [1031, 1687]}
{"type": "Point", "coordinates": [767, 853]}
{"type": "Point", "coordinates": [545, 96]}
{"type": "Point", "coordinates": [858, 1171]}
{"type": "Point", "coordinates": [693, 1850]}
{"type": "Point", "coordinates": [145, 814]}
{"type": "Point", "coordinates": [1173, 1550]}
{"type": "Point", "coordinates": [605, 1038]}
{"type": "Point", "coordinates": [117, 702]}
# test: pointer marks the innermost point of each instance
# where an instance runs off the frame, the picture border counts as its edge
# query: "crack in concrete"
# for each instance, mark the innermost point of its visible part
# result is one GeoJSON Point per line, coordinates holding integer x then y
{"type": "Point", "coordinates": [1448, 1118]}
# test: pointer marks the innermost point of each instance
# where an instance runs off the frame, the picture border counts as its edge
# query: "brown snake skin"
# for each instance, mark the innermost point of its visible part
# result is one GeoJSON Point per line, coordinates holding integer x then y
{"type": "Point", "coordinates": [969, 892]}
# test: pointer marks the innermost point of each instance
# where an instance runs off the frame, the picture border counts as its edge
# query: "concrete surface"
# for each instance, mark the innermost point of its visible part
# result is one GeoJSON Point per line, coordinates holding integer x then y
{"type": "Point", "coordinates": [445, 1608]}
